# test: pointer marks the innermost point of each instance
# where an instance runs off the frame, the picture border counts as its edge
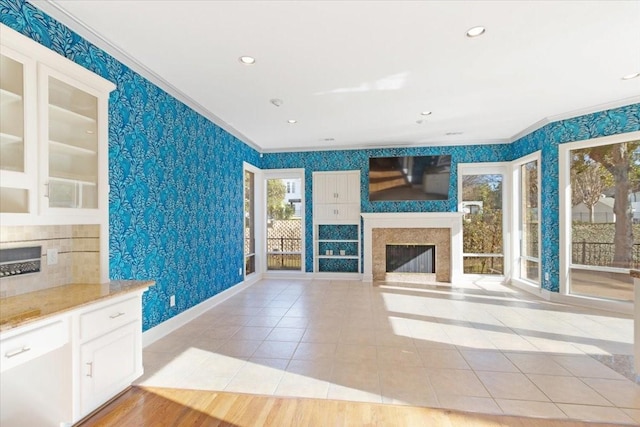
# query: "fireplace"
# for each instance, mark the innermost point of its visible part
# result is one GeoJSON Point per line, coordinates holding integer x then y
{"type": "Point", "coordinates": [442, 230]}
{"type": "Point", "coordinates": [410, 258]}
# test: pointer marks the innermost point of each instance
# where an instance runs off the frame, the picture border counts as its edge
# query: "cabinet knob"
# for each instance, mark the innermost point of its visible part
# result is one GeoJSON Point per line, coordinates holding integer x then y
{"type": "Point", "coordinates": [46, 190]}
{"type": "Point", "coordinates": [90, 373]}
{"type": "Point", "coordinates": [113, 316]}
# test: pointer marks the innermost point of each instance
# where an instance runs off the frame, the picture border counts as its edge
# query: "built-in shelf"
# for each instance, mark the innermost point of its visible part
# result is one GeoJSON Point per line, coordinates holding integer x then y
{"type": "Point", "coordinates": [65, 148]}
{"type": "Point", "coordinates": [338, 256]}
{"type": "Point", "coordinates": [9, 139]}
{"type": "Point", "coordinates": [7, 97]}
{"type": "Point", "coordinates": [63, 114]}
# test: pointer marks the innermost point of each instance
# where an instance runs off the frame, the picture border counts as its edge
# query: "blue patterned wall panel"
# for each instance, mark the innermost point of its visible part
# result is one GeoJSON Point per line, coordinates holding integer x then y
{"type": "Point", "coordinates": [176, 180]}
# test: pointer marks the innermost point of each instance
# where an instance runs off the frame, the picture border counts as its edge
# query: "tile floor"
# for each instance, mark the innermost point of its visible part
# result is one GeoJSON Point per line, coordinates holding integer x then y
{"type": "Point", "coordinates": [480, 347]}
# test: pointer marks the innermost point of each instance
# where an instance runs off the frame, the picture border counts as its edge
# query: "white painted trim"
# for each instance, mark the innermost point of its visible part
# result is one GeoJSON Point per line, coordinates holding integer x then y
{"type": "Point", "coordinates": [165, 328]}
{"type": "Point", "coordinates": [327, 275]}
{"type": "Point", "coordinates": [516, 230]}
{"type": "Point", "coordinates": [450, 220]}
{"type": "Point", "coordinates": [258, 213]}
{"type": "Point", "coordinates": [287, 275]}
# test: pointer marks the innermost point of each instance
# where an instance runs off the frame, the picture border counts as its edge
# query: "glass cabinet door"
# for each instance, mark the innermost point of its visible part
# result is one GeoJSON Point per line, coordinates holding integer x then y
{"type": "Point", "coordinates": [16, 188]}
{"type": "Point", "coordinates": [72, 146]}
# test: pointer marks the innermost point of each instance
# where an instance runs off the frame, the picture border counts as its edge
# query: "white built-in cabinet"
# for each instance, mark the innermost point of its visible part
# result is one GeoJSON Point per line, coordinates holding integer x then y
{"type": "Point", "coordinates": [58, 370]}
{"type": "Point", "coordinates": [53, 137]}
{"type": "Point", "coordinates": [336, 221]}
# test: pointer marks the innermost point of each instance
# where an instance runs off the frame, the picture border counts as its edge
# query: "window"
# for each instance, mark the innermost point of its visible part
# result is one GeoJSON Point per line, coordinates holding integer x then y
{"type": "Point", "coordinates": [601, 215]}
{"type": "Point", "coordinates": [526, 215]}
{"type": "Point", "coordinates": [481, 189]}
{"type": "Point", "coordinates": [249, 223]}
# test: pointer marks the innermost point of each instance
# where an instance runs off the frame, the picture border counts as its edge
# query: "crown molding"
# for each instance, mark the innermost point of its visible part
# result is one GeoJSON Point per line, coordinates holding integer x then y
{"type": "Point", "coordinates": [575, 113]}
{"type": "Point", "coordinates": [51, 8]}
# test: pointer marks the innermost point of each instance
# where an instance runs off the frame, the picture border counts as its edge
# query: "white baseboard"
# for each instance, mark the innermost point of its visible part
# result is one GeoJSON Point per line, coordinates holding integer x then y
{"type": "Point", "coordinates": [297, 275]}
{"type": "Point", "coordinates": [287, 275]}
{"type": "Point", "coordinates": [159, 331]}
{"type": "Point", "coordinates": [337, 276]}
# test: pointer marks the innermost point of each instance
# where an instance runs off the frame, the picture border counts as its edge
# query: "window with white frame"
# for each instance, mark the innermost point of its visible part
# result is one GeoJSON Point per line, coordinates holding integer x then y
{"type": "Point", "coordinates": [600, 222]}
{"type": "Point", "coordinates": [481, 189]}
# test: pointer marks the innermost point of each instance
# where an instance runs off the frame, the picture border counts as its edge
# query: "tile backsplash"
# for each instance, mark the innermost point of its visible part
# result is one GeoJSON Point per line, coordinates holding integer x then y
{"type": "Point", "coordinates": [78, 256]}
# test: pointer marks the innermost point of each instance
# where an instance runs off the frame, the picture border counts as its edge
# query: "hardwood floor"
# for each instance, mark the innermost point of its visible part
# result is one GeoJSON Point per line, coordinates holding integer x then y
{"type": "Point", "coordinates": [150, 406]}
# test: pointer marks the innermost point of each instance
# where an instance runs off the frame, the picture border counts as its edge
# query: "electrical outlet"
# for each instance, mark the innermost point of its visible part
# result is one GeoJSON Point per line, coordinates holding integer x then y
{"type": "Point", "coordinates": [240, 271]}
{"type": "Point", "coordinates": [172, 301]}
{"type": "Point", "coordinates": [52, 256]}
{"type": "Point", "coordinates": [546, 276]}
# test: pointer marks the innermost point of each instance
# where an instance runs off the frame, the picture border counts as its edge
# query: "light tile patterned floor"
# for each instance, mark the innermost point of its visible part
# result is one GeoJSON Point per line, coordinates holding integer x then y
{"type": "Point", "coordinates": [479, 347]}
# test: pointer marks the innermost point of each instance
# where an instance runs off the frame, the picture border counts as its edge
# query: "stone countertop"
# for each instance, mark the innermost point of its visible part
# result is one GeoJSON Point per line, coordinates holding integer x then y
{"type": "Point", "coordinates": [26, 308]}
{"type": "Point", "coordinates": [635, 274]}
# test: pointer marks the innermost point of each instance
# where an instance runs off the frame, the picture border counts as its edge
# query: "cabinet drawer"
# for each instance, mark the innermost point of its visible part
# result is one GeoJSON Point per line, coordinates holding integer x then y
{"type": "Point", "coordinates": [33, 343]}
{"type": "Point", "coordinates": [105, 319]}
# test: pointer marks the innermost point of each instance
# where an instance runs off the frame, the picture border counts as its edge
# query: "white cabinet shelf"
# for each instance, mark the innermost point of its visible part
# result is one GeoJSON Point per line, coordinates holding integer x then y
{"type": "Point", "coordinates": [9, 139]}
{"type": "Point", "coordinates": [53, 138]}
{"type": "Point", "coordinates": [336, 221]}
{"type": "Point", "coordinates": [70, 149]}
{"type": "Point", "coordinates": [64, 115]}
{"type": "Point", "coordinates": [8, 98]}
{"type": "Point", "coordinates": [337, 257]}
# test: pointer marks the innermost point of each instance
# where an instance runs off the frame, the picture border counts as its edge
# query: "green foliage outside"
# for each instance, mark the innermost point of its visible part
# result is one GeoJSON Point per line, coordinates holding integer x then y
{"type": "Point", "coordinates": [276, 206]}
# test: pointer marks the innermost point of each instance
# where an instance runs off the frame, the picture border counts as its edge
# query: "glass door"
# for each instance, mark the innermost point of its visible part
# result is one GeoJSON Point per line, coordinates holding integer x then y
{"type": "Point", "coordinates": [529, 223]}
{"type": "Point", "coordinates": [249, 223]}
{"type": "Point", "coordinates": [285, 220]}
{"type": "Point", "coordinates": [71, 140]}
{"type": "Point", "coordinates": [17, 169]}
{"type": "Point", "coordinates": [483, 223]}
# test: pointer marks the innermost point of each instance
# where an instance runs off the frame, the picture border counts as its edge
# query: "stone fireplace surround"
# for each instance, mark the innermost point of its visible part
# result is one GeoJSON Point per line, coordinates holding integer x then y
{"type": "Point", "coordinates": [444, 229]}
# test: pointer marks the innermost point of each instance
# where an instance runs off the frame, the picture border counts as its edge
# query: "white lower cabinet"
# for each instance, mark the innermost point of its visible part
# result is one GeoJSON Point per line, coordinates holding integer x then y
{"type": "Point", "coordinates": [108, 365]}
{"type": "Point", "coordinates": [57, 370]}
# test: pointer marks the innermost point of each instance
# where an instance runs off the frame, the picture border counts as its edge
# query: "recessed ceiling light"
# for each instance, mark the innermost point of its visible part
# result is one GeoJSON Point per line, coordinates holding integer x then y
{"type": "Point", "coordinates": [275, 101]}
{"type": "Point", "coordinates": [248, 60]}
{"type": "Point", "coordinates": [420, 122]}
{"type": "Point", "coordinates": [453, 133]}
{"type": "Point", "coordinates": [426, 113]}
{"type": "Point", "coordinates": [476, 31]}
{"type": "Point", "coordinates": [631, 76]}
{"type": "Point", "coordinates": [292, 121]}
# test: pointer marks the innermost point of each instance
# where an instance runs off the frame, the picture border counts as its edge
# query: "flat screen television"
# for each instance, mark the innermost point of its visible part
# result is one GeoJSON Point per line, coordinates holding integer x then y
{"type": "Point", "coordinates": [409, 178]}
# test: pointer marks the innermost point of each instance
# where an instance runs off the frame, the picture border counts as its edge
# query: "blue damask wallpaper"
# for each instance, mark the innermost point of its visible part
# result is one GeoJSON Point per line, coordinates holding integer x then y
{"type": "Point", "coordinates": [175, 177]}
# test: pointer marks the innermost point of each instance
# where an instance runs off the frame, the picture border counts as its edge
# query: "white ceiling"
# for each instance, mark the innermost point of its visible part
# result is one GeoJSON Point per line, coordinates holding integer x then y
{"type": "Point", "coordinates": [361, 72]}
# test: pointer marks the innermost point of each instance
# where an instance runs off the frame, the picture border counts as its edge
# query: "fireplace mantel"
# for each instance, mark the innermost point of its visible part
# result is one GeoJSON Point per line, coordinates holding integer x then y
{"type": "Point", "coordinates": [450, 220]}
